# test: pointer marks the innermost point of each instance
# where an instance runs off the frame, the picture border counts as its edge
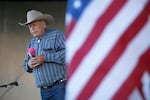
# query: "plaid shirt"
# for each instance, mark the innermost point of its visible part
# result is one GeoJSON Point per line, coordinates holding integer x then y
{"type": "Point", "coordinates": [52, 45]}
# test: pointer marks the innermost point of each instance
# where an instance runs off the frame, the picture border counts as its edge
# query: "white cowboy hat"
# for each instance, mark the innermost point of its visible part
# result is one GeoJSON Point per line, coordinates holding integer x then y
{"type": "Point", "coordinates": [34, 15]}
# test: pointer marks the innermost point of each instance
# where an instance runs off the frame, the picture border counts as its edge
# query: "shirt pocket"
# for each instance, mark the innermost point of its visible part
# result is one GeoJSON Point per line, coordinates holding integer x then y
{"type": "Point", "coordinates": [49, 45]}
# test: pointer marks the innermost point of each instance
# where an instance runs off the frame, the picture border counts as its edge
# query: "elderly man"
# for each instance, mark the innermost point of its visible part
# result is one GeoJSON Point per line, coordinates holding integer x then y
{"type": "Point", "coordinates": [48, 62]}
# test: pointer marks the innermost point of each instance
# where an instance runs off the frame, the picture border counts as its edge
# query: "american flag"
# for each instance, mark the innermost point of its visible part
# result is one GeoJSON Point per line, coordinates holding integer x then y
{"type": "Point", "coordinates": [108, 49]}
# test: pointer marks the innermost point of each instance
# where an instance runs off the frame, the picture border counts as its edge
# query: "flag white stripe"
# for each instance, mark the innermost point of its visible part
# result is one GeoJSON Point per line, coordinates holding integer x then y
{"type": "Point", "coordinates": [102, 47]}
{"type": "Point", "coordinates": [135, 95]}
{"type": "Point", "coordinates": [68, 19]}
{"type": "Point", "coordinates": [114, 80]}
{"type": "Point", "coordinates": [146, 85]}
{"type": "Point", "coordinates": [84, 26]}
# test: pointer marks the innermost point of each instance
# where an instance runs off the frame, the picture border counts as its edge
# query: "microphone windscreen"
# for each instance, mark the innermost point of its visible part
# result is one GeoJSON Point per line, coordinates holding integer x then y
{"type": "Point", "coordinates": [31, 52]}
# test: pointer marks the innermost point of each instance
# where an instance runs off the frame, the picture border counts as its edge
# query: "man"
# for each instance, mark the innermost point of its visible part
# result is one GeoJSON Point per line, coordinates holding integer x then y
{"type": "Point", "coordinates": [48, 64]}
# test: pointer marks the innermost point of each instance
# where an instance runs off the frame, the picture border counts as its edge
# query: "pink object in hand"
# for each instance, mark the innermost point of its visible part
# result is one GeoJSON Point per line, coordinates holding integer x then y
{"type": "Point", "coordinates": [31, 52]}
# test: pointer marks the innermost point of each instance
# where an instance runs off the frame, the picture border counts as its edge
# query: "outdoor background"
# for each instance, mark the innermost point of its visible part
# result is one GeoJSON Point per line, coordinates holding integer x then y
{"type": "Point", "coordinates": [13, 42]}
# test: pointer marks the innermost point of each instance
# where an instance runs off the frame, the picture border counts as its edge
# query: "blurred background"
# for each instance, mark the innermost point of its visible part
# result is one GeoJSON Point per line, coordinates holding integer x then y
{"type": "Point", "coordinates": [13, 42]}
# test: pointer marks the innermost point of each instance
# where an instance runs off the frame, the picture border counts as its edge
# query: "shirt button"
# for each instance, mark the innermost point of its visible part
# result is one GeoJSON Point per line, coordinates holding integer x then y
{"type": "Point", "coordinates": [38, 40]}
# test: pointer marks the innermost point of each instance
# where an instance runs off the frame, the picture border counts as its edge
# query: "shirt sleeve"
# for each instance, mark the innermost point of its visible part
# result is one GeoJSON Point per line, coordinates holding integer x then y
{"type": "Point", "coordinates": [27, 57]}
{"type": "Point", "coordinates": [57, 55]}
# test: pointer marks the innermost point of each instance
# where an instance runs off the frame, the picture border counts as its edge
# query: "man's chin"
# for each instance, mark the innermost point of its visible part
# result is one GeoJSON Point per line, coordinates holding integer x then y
{"type": "Point", "coordinates": [34, 35]}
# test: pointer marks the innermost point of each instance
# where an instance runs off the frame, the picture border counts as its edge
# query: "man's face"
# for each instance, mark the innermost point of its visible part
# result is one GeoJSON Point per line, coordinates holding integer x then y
{"type": "Point", "coordinates": [37, 28]}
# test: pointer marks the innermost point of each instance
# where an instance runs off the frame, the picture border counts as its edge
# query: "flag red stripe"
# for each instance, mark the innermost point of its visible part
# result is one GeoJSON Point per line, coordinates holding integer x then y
{"type": "Point", "coordinates": [101, 23]}
{"type": "Point", "coordinates": [114, 55]}
{"type": "Point", "coordinates": [135, 78]}
{"type": "Point", "coordinates": [70, 27]}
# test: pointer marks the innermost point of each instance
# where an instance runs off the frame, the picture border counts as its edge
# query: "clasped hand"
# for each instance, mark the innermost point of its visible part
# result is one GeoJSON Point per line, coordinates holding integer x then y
{"type": "Point", "coordinates": [36, 61]}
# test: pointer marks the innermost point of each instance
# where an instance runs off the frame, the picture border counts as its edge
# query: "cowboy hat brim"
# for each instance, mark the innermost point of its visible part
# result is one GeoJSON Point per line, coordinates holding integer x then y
{"type": "Point", "coordinates": [48, 18]}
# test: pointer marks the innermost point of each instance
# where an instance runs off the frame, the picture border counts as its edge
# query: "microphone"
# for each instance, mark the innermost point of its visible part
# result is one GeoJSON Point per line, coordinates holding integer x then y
{"type": "Point", "coordinates": [31, 52]}
{"type": "Point", "coordinates": [14, 83]}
